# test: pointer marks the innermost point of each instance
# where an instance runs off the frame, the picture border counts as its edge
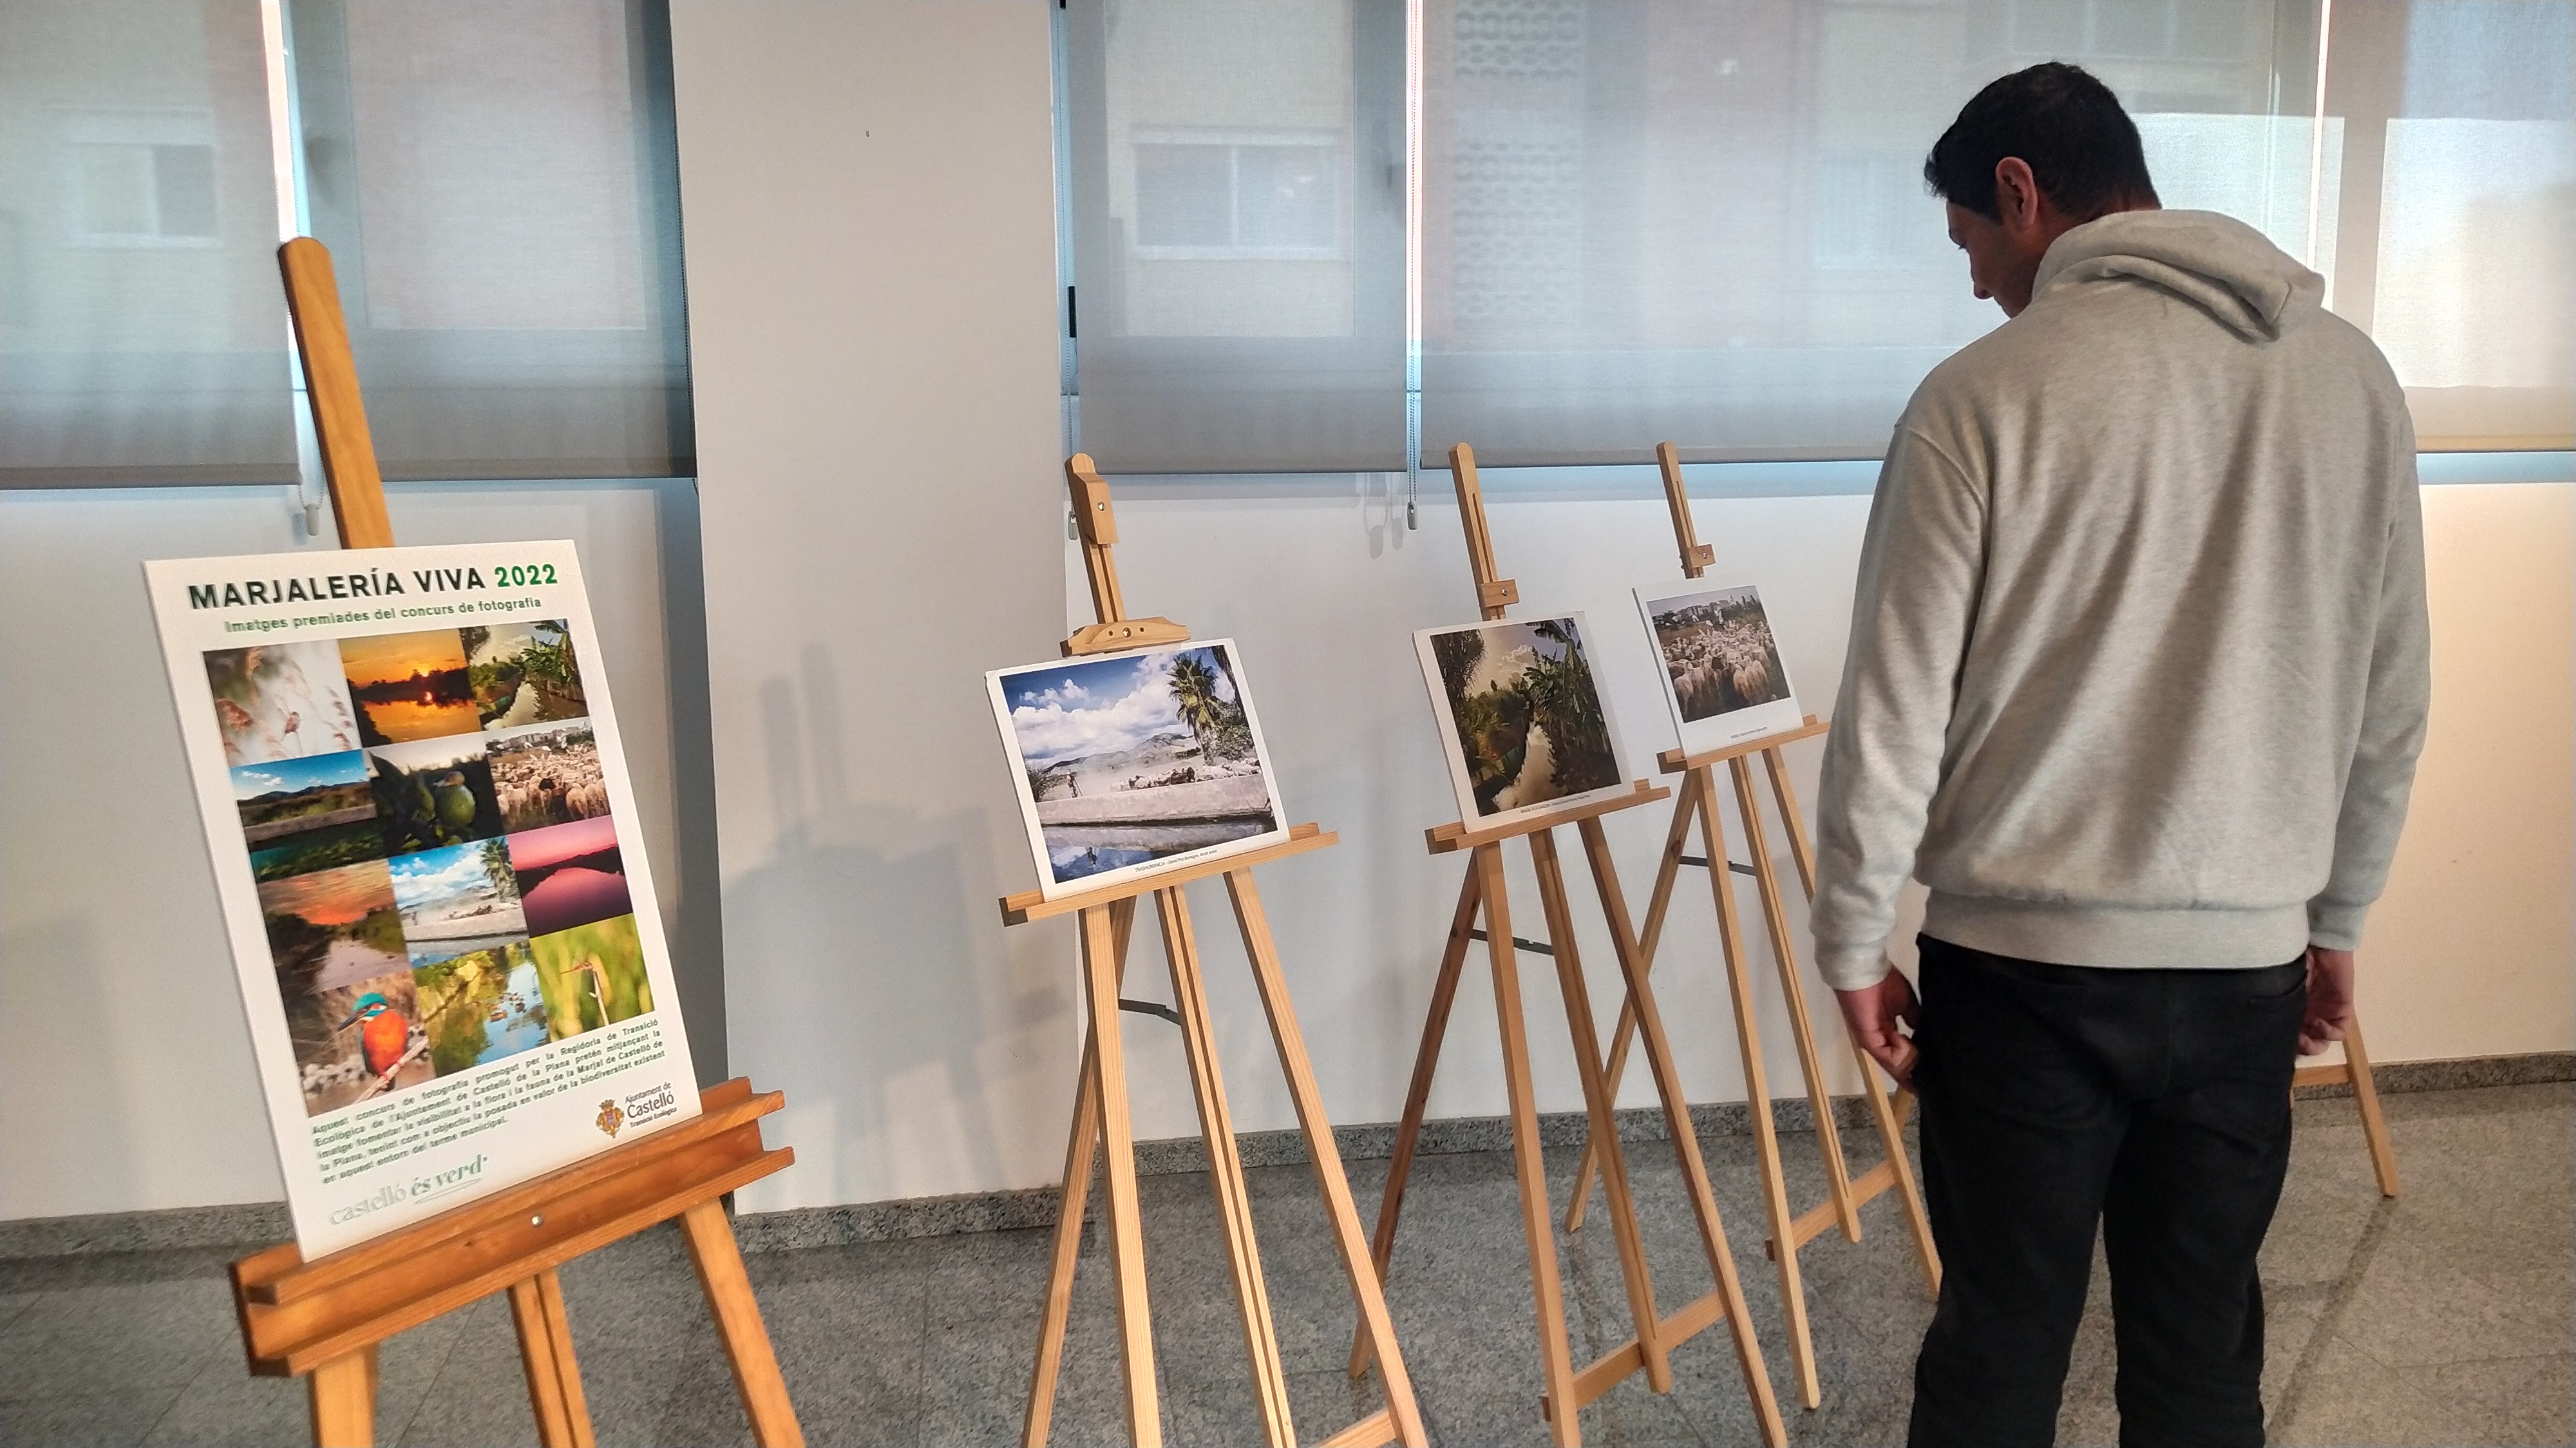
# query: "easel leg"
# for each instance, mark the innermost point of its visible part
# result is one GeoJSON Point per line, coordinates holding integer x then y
{"type": "Point", "coordinates": [1784, 954]}
{"type": "Point", "coordinates": [1757, 1094]}
{"type": "Point", "coordinates": [1676, 839]}
{"type": "Point", "coordinates": [1076, 1192]}
{"type": "Point", "coordinates": [2365, 1094]}
{"type": "Point", "coordinates": [1417, 1097]}
{"type": "Point", "coordinates": [1885, 1113]}
{"type": "Point", "coordinates": [1377, 1327]}
{"type": "Point", "coordinates": [1604, 1117]}
{"type": "Point", "coordinates": [1676, 1102]}
{"type": "Point", "coordinates": [554, 1374]}
{"type": "Point", "coordinates": [718, 1259]}
{"type": "Point", "coordinates": [1126, 1235]}
{"type": "Point", "coordinates": [1225, 1169]}
{"type": "Point", "coordinates": [343, 1394]}
{"type": "Point", "coordinates": [1537, 1222]}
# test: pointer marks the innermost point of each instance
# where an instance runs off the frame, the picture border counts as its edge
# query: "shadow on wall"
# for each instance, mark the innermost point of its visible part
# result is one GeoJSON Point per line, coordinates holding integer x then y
{"type": "Point", "coordinates": [865, 960]}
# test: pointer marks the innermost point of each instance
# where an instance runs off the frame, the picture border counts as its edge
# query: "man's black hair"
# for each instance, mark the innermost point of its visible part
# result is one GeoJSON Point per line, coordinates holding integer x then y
{"type": "Point", "coordinates": [2081, 147]}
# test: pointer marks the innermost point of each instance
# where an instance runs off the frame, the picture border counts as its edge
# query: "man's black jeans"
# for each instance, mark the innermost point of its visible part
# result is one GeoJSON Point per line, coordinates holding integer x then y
{"type": "Point", "coordinates": [2157, 1101]}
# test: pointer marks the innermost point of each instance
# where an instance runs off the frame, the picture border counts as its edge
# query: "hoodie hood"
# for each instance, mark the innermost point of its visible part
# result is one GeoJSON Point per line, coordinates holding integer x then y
{"type": "Point", "coordinates": [2217, 263]}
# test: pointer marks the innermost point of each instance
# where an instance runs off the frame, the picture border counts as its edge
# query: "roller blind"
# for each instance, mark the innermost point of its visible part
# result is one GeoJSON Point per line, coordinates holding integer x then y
{"type": "Point", "coordinates": [1236, 188]}
{"type": "Point", "coordinates": [142, 336]}
{"type": "Point", "coordinates": [2458, 125]}
{"type": "Point", "coordinates": [497, 181]}
{"type": "Point", "coordinates": [1706, 222]}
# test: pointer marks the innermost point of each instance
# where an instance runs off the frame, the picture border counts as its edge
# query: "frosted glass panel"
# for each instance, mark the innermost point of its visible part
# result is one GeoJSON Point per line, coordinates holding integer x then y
{"type": "Point", "coordinates": [142, 333]}
{"type": "Point", "coordinates": [1651, 220]}
{"type": "Point", "coordinates": [497, 182]}
{"type": "Point", "coordinates": [1237, 193]}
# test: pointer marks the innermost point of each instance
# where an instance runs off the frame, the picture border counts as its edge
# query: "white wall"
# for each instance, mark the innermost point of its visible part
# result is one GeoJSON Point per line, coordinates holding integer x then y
{"type": "Point", "coordinates": [871, 255]}
{"type": "Point", "coordinates": [870, 246]}
{"type": "Point", "coordinates": [126, 1079]}
{"type": "Point", "coordinates": [2468, 955]}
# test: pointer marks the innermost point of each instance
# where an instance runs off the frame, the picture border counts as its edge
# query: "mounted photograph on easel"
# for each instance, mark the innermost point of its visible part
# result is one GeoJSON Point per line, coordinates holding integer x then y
{"type": "Point", "coordinates": [1523, 722]}
{"type": "Point", "coordinates": [1135, 762]}
{"type": "Point", "coordinates": [1722, 674]}
{"type": "Point", "coordinates": [425, 842]}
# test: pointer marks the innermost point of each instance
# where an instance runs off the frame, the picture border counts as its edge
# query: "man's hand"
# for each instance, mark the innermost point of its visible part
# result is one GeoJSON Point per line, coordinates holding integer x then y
{"type": "Point", "coordinates": [2329, 999]}
{"type": "Point", "coordinates": [1874, 1013]}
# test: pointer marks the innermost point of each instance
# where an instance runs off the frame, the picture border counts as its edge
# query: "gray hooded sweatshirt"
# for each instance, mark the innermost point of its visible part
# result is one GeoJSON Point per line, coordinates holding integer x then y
{"type": "Point", "coordinates": [2139, 661]}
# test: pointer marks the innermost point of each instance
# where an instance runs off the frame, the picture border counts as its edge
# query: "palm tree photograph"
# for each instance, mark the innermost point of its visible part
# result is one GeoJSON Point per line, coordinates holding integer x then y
{"type": "Point", "coordinates": [1521, 718]}
{"type": "Point", "coordinates": [1129, 760]}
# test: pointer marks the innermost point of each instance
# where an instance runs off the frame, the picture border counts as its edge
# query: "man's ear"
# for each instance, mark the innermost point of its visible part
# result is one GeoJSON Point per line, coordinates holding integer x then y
{"type": "Point", "coordinates": [2017, 198]}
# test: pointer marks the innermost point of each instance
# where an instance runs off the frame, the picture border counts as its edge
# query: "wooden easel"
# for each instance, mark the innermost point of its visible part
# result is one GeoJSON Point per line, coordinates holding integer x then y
{"type": "Point", "coordinates": [2354, 1071]}
{"type": "Point", "coordinates": [1108, 918]}
{"type": "Point", "coordinates": [1699, 797]}
{"type": "Point", "coordinates": [1483, 894]}
{"type": "Point", "coordinates": [325, 1318]}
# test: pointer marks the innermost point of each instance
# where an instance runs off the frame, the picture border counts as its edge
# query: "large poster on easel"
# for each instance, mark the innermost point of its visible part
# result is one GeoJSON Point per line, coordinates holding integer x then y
{"type": "Point", "coordinates": [424, 840]}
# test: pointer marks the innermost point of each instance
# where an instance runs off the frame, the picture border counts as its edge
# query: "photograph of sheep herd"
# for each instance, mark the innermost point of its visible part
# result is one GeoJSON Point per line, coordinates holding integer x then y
{"type": "Point", "coordinates": [428, 823]}
{"type": "Point", "coordinates": [1718, 652]}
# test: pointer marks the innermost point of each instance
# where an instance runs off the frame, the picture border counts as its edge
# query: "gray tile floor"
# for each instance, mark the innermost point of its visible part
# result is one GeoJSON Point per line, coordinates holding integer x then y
{"type": "Point", "coordinates": [2443, 1317]}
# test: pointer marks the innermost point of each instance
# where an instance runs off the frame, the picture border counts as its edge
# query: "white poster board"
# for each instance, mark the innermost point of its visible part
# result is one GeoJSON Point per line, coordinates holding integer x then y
{"type": "Point", "coordinates": [1720, 667]}
{"type": "Point", "coordinates": [1525, 726]}
{"type": "Point", "coordinates": [1135, 764]}
{"type": "Point", "coordinates": [424, 841]}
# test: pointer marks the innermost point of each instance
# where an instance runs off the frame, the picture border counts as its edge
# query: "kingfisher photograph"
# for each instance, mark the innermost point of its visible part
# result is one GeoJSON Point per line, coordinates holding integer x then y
{"type": "Point", "coordinates": [409, 685]}
{"type": "Point", "coordinates": [432, 793]}
{"type": "Point", "coordinates": [358, 1041]}
{"type": "Point", "coordinates": [1127, 761]}
{"type": "Point", "coordinates": [281, 701]}
{"type": "Point", "coordinates": [335, 937]}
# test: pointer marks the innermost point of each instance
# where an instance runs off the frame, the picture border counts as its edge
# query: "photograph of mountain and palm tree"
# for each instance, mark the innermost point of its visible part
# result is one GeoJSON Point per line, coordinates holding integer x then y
{"type": "Point", "coordinates": [1521, 717]}
{"type": "Point", "coordinates": [1131, 759]}
{"type": "Point", "coordinates": [523, 673]}
{"type": "Point", "coordinates": [457, 900]}
{"type": "Point", "coordinates": [569, 874]}
{"type": "Point", "coordinates": [432, 793]}
{"type": "Point", "coordinates": [281, 701]}
{"type": "Point", "coordinates": [409, 685]}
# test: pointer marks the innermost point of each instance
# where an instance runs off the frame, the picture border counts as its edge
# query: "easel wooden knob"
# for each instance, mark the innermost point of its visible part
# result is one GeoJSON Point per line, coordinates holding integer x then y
{"type": "Point", "coordinates": [323, 1320]}
{"type": "Point", "coordinates": [1107, 920]}
{"type": "Point", "coordinates": [1483, 896]}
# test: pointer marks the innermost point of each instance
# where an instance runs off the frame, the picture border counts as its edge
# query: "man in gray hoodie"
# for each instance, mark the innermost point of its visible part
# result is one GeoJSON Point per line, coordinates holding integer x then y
{"type": "Point", "coordinates": [2138, 675]}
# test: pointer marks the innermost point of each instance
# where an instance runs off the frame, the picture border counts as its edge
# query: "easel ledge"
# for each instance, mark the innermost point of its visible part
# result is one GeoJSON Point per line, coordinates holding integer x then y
{"type": "Point", "coordinates": [1455, 836]}
{"type": "Point", "coordinates": [1673, 761]}
{"type": "Point", "coordinates": [297, 1315]}
{"type": "Point", "coordinates": [1031, 905]}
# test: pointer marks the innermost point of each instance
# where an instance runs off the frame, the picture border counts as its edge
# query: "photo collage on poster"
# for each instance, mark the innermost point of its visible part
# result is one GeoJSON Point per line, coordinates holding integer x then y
{"type": "Point", "coordinates": [429, 830]}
